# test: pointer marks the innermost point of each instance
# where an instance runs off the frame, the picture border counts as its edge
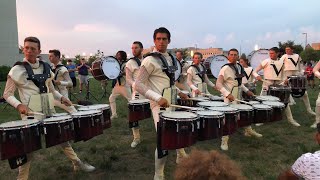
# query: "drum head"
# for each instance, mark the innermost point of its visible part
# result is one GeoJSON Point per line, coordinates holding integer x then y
{"type": "Point", "coordinates": [242, 107]}
{"type": "Point", "coordinates": [195, 109]}
{"type": "Point", "coordinates": [223, 109]}
{"type": "Point", "coordinates": [86, 113]}
{"type": "Point", "coordinates": [210, 113]}
{"type": "Point", "coordinates": [212, 104]}
{"type": "Point", "coordinates": [253, 102]}
{"type": "Point", "coordinates": [267, 98]}
{"type": "Point", "coordinates": [139, 101]}
{"type": "Point", "coordinates": [216, 98]}
{"type": "Point", "coordinates": [19, 123]}
{"type": "Point", "coordinates": [261, 106]}
{"type": "Point", "coordinates": [204, 99]}
{"type": "Point", "coordinates": [178, 72]}
{"type": "Point", "coordinates": [256, 57]}
{"type": "Point", "coordinates": [274, 104]}
{"type": "Point", "coordinates": [57, 119]}
{"type": "Point", "coordinates": [178, 115]}
{"type": "Point", "coordinates": [110, 67]}
{"type": "Point", "coordinates": [59, 114]}
{"type": "Point", "coordinates": [94, 107]}
{"type": "Point", "coordinates": [216, 63]}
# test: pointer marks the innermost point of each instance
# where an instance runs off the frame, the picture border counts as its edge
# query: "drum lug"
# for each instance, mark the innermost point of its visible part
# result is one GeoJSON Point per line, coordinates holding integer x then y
{"type": "Point", "coordinates": [38, 132]}
{"type": "Point", "coordinates": [92, 121]}
{"type": "Point", "coordinates": [79, 122]}
{"type": "Point", "coordinates": [21, 134]}
{"type": "Point", "coordinates": [219, 123]}
{"type": "Point", "coordinates": [198, 124]}
{"type": "Point", "coordinates": [177, 127]}
{"type": "Point", "coordinates": [3, 136]}
{"type": "Point", "coordinates": [224, 121]}
{"type": "Point", "coordinates": [59, 128]}
{"type": "Point", "coordinates": [203, 123]}
{"type": "Point", "coordinates": [192, 127]}
{"type": "Point", "coordinates": [44, 130]}
{"type": "Point", "coordinates": [72, 126]}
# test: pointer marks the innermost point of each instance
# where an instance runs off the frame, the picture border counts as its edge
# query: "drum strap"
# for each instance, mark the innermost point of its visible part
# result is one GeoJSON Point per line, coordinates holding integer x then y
{"type": "Point", "coordinates": [248, 76]}
{"type": "Point", "coordinates": [238, 73]}
{"type": "Point", "coordinates": [56, 72]}
{"type": "Point", "coordinates": [38, 79]}
{"type": "Point", "coordinates": [276, 69]}
{"type": "Point", "coordinates": [294, 63]}
{"type": "Point", "coordinates": [161, 153]}
{"type": "Point", "coordinates": [137, 60]}
{"type": "Point", "coordinates": [169, 70]}
{"type": "Point", "coordinates": [200, 73]}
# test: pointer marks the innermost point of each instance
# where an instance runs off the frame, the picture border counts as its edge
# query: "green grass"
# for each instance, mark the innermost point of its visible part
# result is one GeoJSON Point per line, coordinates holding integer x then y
{"type": "Point", "coordinates": [113, 157]}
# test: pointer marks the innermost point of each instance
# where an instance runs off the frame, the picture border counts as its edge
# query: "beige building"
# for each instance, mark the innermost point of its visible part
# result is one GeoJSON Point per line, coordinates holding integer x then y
{"type": "Point", "coordinates": [316, 46]}
{"type": "Point", "coordinates": [209, 52]}
{"type": "Point", "coordinates": [9, 49]}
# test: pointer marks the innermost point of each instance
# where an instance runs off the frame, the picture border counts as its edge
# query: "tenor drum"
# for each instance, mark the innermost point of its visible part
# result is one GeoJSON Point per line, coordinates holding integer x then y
{"type": "Point", "coordinates": [216, 98]}
{"type": "Point", "coordinates": [267, 98]}
{"type": "Point", "coordinates": [262, 113]}
{"type": "Point", "coordinates": [105, 68]}
{"type": "Point", "coordinates": [106, 113]}
{"type": "Point", "coordinates": [210, 126]}
{"type": "Point", "coordinates": [139, 109]}
{"type": "Point", "coordinates": [298, 85]}
{"type": "Point", "coordinates": [178, 129]}
{"type": "Point", "coordinates": [19, 138]}
{"type": "Point", "coordinates": [246, 114]}
{"type": "Point", "coordinates": [277, 109]}
{"type": "Point", "coordinates": [196, 100]}
{"type": "Point", "coordinates": [282, 92]}
{"type": "Point", "coordinates": [211, 104]}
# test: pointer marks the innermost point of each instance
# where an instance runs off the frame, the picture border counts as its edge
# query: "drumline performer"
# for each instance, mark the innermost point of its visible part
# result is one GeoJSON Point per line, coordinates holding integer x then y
{"type": "Point", "coordinates": [61, 80]}
{"type": "Point", "coordinates": [273, 70]}
{"type": "Point", "coordinates": [197, 78]}
{"type": "Point", "coordinates": [182, 81]}
{"type": "Point", "coordinates": [33, 78]}
{"type": "Point", "coordinates": [152, 81]}
{"type": "Point", "coordinates": [248, 77]}
{"type": "Point", "coordinates": [292, 66]}
{"type": "Point", "coordinates": [229, 83]}
{"type": "Point", "coordinates": [316, 71]}
{"type": "Point", "coordinates": [132, 69]}
{"type": "Point", "coordinates": [119, 85]}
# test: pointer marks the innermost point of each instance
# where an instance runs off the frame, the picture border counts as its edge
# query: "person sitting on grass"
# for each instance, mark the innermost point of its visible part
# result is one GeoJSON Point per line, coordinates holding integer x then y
{"type": "Point", "coordinates": [214, 166]}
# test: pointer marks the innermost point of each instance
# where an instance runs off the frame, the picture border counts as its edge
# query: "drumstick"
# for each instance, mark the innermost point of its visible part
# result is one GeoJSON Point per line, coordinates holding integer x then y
{"type": "Point", "coordinates": [184, 107]}
{"type": "Point", "coordinates": [35, 113]}
{"type": "Point", "coordinates": [77, 105]}
{"type": "Point", "coordinates": [242, 101]}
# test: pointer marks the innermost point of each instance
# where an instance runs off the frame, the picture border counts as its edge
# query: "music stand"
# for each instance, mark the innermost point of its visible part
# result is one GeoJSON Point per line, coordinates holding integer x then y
{"type": "Point", "coordinates": [104, 86]}
{"type": "Point", "coordinates": [72, 95]}
{"type": "Point", "coordinates": [88, 91]}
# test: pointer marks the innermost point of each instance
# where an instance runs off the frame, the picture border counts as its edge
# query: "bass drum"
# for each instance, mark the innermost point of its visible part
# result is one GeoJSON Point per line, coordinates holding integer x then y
{"type": "Point", "coordinates": [216, 62]}
{"type": "Point", "coordinates": [256, 57]}
{"type": "Point", "coordinates": [105, 68]}
{"type": "Point", "coordinates": [178, 72]}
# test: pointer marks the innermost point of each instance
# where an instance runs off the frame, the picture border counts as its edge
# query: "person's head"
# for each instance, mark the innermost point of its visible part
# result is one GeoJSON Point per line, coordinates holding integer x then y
{"type": "Point", "coordinates": [214, 165]}
{"type": "Point", "coordinates": [273, 53]}
{"type": "Point", "coordinates": [233, 55]}
{"type": "Point", "coordinates": [137, 48]}
{"type": "Point", "coordinates": [179, 55]}
{"type": "Point", "coordinates": [197, 57]}
{"type": "Point", "coordinates": [54, 56]}
{"type": "Point", "coordinates": [161, 39]}
{"type": "Point", "coordinates": [31, 48]}
{"type": "Point", "coordinates": [289, 50]}
{"type": "Point", "coordinates": [69, 61]}
{"type": "Point", "coordinates": [309, 64]}
{"type": "Point", "coordinates": [121, 56]}
{"type": "Point", "coordinates": [82, 61]}
{"type": "Point", "coordinates": [244, 62]}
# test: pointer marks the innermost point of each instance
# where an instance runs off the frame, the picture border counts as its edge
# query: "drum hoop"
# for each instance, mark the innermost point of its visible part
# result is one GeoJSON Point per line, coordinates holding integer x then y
{"type": "Point", "coordinates": [103, 70]}
{"type": "Point", "coordinates": [280, 105]}
{"type": "Point", "coordinates": [179, 120]}
{"type": "Point", "coordinates": [68, 118]}
{"type": "Point", "coordinates": [87, 115]}
{"type": "Point", "coordinates": [211, 115]}
{"type": "Point", "coordinates": [265, 108]}
{"type": "Point", "coordinates": [226, 112]}
{"type": "Point", "coordinates": [26, 126]}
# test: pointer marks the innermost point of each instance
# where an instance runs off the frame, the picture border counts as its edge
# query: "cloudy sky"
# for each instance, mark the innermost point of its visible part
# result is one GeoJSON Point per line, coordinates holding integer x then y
{"type": "Point", "coordinates": [78, 26]}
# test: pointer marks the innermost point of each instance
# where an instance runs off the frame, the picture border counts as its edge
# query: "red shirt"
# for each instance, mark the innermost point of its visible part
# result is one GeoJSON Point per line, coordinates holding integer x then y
{"type": "Point", "coordinates": [309, 71]}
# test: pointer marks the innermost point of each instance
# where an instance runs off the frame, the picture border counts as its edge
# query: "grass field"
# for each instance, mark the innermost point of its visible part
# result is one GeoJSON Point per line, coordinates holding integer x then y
{"type": "Point", "coordinates": [113, 157]}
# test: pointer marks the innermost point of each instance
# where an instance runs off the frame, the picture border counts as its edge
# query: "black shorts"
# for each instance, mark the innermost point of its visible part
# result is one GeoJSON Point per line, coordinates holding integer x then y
{"type": "Point", "coordinates": [310, 77]}
{"type": "Point", "coordinates": [74, 81]}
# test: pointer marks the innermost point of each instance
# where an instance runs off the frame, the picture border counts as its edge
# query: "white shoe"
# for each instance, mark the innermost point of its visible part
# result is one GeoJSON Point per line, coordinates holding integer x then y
{"type": "Point", "coordinates": [311, 112]}
{"type": "Point", "coordinates": [224, 143]}
{"type": "Point", "coordinates": [251, 132]}
{"type": "Point", "coordinates": [294, 122]}
{"type": "Point", "coordinates": [83, 166]}
{"type": "Point", "coordinates": [179, 158]}
{"type": "Point", "coordinates": [158, 177]}
{"type": "Point", "coordinates": [314, 125]}
{"type": "Point", "coordinates": [135, 142]}
{"type": "Point", "coordinates": [114, 116]}
{"type": "Point", "coordinates": [259, 124]}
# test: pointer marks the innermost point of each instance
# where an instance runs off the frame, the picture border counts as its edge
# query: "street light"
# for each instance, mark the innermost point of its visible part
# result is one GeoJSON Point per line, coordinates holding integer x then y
{"type": "Point", "coordinates": [306, 39]}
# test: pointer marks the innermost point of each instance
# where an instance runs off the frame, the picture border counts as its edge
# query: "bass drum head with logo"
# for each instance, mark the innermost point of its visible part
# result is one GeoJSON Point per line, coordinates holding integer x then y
{"type": "Point", "coordinates": [256, 57]}
{"type": "Point", "coordinates": [178, 72]}
{"type": "Point", "coordinates": [216, 63]}
{"type": "Point", "coordinates": [110, 67]}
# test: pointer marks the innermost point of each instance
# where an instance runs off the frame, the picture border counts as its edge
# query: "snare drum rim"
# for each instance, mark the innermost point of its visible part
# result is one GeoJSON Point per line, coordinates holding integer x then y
{"type": "Point", "coordinates": [222, 115]}
{"type": "Point", "coordinates": [280, 105]}
{"type": "Point", "coordinates": [241, 110]}
{"type": "Point", "coordinates": [178, 120]}
{"type": "Point", "coordinates": [138, 103]}
{"type": "Point", "coordinates": [95, 113]}
{"type": "Point", "coordinates": [267, 107]}
{"type": "Point", "coordinates": [36, 123]}
{"type": "Point", "coordinates": [221, 110]}
{"type": "Point", "coordinates": [217, 104]}
{"type": "Point", "coordinates": [68, 118]}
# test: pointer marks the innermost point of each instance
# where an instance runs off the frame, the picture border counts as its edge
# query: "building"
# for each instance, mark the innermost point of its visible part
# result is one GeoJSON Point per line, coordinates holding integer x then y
{"type": "Point", "coordinates": [316, 46]}
{"type": "Point", "coordinates": [209, 52]}
{"type": "Point", "coordinates": [9, 49]}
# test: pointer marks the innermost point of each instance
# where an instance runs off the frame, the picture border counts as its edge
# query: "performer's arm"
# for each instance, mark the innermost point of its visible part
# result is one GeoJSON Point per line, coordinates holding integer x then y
{"type": "Point", "coordinates": [8, 94]}
{"type": "Point", "coordinates": [54, 92]}
{"type": "Point", "coordinates": [316, 70]}
{"type": "Point", "coordinates": [129, 77]}
{"type": "Point", "coordinates": [209, 83]}
{"type": "Point", "coordinates": [189, 82]}
{"type": "Point", "coordinates": [219, 86]}
{"type": "Point", "coordinates": [255, 72]}
{"type": "Point", "coordinates": [67, 80]}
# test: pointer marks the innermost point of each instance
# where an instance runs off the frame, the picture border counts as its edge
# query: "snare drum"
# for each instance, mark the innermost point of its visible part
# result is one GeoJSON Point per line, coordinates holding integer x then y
{"type": "Point", "coordinates": [105, 68]}
{"type": "Point", "coordinates": [177, 129]}
{"type": "Point", "coordinates": [262, 113]}
{"type": "Point", "coordinates": [58, 130]}
{"type": "Point", "coordinates": [282, 92]}
{"type": "Point", "coordinates": [267, 98]}
{"type": "Point", "coordinates": [231, 119]}
{"type": "Point", "coordinates": [252, 88]}
{"type": "Point", "coordinates": [139, 109]}
{"type": "Point", "coordinates": [211, 104]}
{"type": "Point", "coordinates": [196, 100]}
{"type": "Point", "coordinates": [277, 108]}
{"type": "Point", "coordinates": [105, 108]}
{"type": "Point", "coordinates": [186, 102]}
{"type": "Point", "coordinates": [298, 85]}
{"type": "Point", "coordinates": [253, 102]}
{"type": "Point", "coordinates": [210, 126]}
{"type": "Point", "coordinates": [216, 98]}
{"type": "Point", "coordinates": [19, 137]}
{"type": "Point", "coordinates": [196, 109]}
{"type": "Point", "coordinates": [246, 114]}
{"type": "Point", "coordinates": [87, 124]}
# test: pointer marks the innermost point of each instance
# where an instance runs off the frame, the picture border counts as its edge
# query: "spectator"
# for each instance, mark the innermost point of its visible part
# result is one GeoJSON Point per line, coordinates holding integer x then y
{"type": "Point", "coordinates": [310, 75]}
{"type": "Point", "coordinates": [214, 166]}
{"type": "Point", "coordinates": [72, 68]}
{"type": "Point", "coordinates": [83, 72]}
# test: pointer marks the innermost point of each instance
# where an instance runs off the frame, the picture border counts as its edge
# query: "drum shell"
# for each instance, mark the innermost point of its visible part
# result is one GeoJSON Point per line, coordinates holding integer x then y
{"type": "Point", "coordinates": [283, 93]}
{"type": "Point", "coordinates": [58, 132]}
{"type": "Point", "coordinates": [210, 127]}
{"type": "Point", "coordinates": [277, 114]}
{"type": "Point", "coordinates": [178, 134]}
{"type": "Point", "coordinates": [297, 82]}
{"type": "Point", "coordinates": [246, 118]}
{"type": "Point", "coordinates": [87, 126]}
{"type": "Point", "coordinates": [97, 71]}
{"type": "Point", "coordinates": [139, 112]}
{"type": "Point", "coordinates": [231, 123]}
{"type": "Point", "coordinates": [106, 113]}
{"type": "Point", "coordinates": [262, 115]}
{"type": "Point", "coordinates": [19, 141]}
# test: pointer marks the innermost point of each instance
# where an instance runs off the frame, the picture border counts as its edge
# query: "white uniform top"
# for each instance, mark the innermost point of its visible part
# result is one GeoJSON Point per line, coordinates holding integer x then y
{"type": "Point", "coordinates": [269, 71]}
{"type": "Point", "coordinates": [307, 166]}
{"type": "Point", "coordinates": [185, 67]}
{"type": "Point", "coordinates": [289, 65]}
{"type": "Point", "coordinates": [132, 65]}
{"type": "Point", "coordinates": [193, 72]}
{"type": "Point", "coordinates": [249, 72]}
{"type": "Point", "coordinates": [60, 77]}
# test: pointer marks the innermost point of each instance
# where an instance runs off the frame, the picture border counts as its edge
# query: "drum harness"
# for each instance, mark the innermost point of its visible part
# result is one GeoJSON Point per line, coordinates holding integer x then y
{"type": "Point", "coordinates": [200, 73]}
{"type": "Point", "coordinates": [248, 76]}
{"type": "Point", "coordinates": [56, 72]}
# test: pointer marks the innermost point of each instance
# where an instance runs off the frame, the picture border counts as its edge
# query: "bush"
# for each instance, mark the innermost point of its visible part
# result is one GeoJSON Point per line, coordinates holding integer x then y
{"type": "Point", "coordinates": [4, 70]}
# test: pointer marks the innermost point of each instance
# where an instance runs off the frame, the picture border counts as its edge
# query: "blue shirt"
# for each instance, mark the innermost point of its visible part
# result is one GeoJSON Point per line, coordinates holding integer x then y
{"type": "Point", "coordinates": [83, 70]}
{"type": "Point", "coordinates": [72, 66]}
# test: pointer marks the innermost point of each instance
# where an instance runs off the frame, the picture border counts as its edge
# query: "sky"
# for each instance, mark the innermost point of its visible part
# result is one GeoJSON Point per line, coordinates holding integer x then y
{"type": "Point", "coordinates": [84, 26]}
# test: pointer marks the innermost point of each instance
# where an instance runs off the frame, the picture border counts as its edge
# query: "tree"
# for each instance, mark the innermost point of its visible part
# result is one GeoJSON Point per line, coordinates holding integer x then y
{"type": "Point", "coordinates": [77, 59]}
{"type": "Point", "coordinates": [20, 49]}
{"type": "Point", "coordinates": [310, 54]}
{"type": "Point", "coordinates": [63, 59]}
{"type": "Point", "coordinates": [297, 48]}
